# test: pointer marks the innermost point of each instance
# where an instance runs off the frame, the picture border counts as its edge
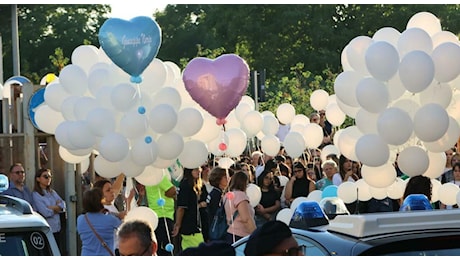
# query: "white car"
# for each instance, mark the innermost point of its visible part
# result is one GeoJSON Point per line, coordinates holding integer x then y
{"type": "Point", "coordinates": [24, 232]}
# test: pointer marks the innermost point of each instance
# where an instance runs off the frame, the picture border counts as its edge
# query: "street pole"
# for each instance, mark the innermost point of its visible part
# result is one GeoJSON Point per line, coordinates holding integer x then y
{"type": "Point", "coordinates": [15, 40]}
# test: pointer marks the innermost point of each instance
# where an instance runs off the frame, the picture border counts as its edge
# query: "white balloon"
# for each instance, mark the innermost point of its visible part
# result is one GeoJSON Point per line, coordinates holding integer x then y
{"type": "Point", "coordinates": [448, 193]}
{"type": "Point", "coordinates": [225, 162]}
{"type": "Point", "coordinates": [48, 119]}
{"type": "Point", "coordinates": [416, 71]}
{"type": "Point", "coordinates": [438, 93]}
{"type": "Point", "coordinates": [154, 76]}
{"type": "Point", "coordinates": [446, 59]}
{"type": "Point", "coordinates": [271, 125]}
{"type": "Point", "coordinates": [284, 215]}
{"type": "Point", "coordinates": [437, 164]}
{"type": "Point", "coordinates": [129, 168]}
{"type": "Point", "coordinates": [396, 189]}
{"type": "Point", "coordinates": [169, 96]}
{"type": "Point", "coordinates": [434, 116]}
{"type": "Point", "coordinates": [329, 149]}
{"type": "Point", "coordinates": [313, 135]}
{"type": "Point", "coordinates": [162, 118]}
{"type": "Point", "coordinates": [334, 114]}
{"type": "Point", "coordinates": [237, 141]}
{"type": "Point", "coordinates": [67, 156]}
{"type": "Point", "coordinates": [85, 56]}
{"type": "Point", "coordinates": [318, 99]}
{"type": "Point", "coordinates": [124, 97]}
{"type": "Point", "coordinates": [346, 142]}
{"type": "Point", "coordinates": [372, 151]}
{"type": "Point", "coordinates": [270, 144]}
{"type": "Point", "coordinates": [151, 176]}
{"type": "Point", "coordinates": [252, 123]}
{"type": "Point", "coordinates": [382, 60]}
{"type": "Point", "coordinates": [414, 39]}
{"type": "Point", "coordinates": [448, 140]}
{"type": "Point", "coordinates": [300, 119]}
{"type": "Point", "coordinates": [363, 190]}
{"type": "Point", "coordinates": [209, 131]}
{"type": "Point", "coordinates": [408, 157]}
{"type": "Point", "coordinates": [435, 184]}
{"type": "Point", "coordinates": [80, 135]}
{"type": "Point", "coordinates": [143, 152]}
{"type": "Point", "coordinates": [114, 147]}
{"type": "Point", "coordinates": [315, 195]}
{"type": "Point", "coordinates": [101, 121]}
{"type": "Point", "coordinates": [372, 95]}
{"type": "Point", "coordinates": [55, 95]}
{"type": "Point", "coordinates": [143, 213]}
{"type": "Point", "coordinates": [388, 34]}
{"type": "Point", "coordinates": [356, 50]}
{"type": "Point", "coordinates": [194, 154]}
{"type": "Point", "coordinates": [74, 80]}
{"type": "Point", "coordinates": [99, 78]}
{"type": "Point", "coordinates": [254, 194]}
{"type": "Point", "coordinates": [426, 21]}
{"type": "Point", "coordinates": [348, 110]}
{"type": "Point", "coordinates": [294, 144]}
{"type": "Point", "coordinates": [379, 177]}
{"type": "Point", "coordinates": [133, 125]}
{"type": "Point", "coordinates": [189, 121]}
{"type": "Point", "coordinates": [105, 168]}
{"type": "Point", "coordinates": [241, 110]}
{"type": "Point", "coordinates": [170, 145]}
{"type": "Point", "coordinates": [366, 121]}
{"type": "Point", "coordinates": [285, 113]}
{"type": "Point", "coordinates": [347, 191]}
{"type": "Point", "coordinates": [395, 126]}
{"type": "Point", "coordinates": [83, 106]}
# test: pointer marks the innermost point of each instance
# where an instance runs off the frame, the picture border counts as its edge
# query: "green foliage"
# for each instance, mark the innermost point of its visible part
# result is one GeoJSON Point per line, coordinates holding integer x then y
{"type": "Point", "coordinates": [45, 28]}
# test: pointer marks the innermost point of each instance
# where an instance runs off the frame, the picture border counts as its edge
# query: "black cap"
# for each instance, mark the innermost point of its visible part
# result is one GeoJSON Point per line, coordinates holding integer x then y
{"type": "Point", "coordinates": [266, 237]}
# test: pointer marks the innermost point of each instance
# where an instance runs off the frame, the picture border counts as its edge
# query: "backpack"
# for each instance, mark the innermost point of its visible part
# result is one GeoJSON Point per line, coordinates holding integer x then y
{"type": "Point", "coordinates": [219, 225]}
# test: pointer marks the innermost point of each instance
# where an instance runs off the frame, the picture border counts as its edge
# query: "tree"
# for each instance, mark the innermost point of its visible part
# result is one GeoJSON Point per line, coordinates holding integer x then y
{"type": "Point", "coordinates": [45, 28]}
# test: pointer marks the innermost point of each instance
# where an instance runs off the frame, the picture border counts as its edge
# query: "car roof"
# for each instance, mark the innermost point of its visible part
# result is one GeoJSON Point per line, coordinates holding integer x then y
{"type": "Point", "coordinates": [17, 213]}
{"type": "Point", "coordinates": [375, 224]}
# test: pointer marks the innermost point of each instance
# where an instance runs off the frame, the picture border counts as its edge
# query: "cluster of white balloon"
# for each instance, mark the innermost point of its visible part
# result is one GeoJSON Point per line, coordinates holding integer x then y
{"type": "Point", "coordinates": [401, 89]}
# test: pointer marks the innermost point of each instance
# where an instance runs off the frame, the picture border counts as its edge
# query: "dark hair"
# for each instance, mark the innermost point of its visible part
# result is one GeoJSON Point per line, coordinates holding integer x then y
{"type": "Point", "coordinates": [266, 237]}
{"type": "Point", "coordinates": [284, 168]}
{"type": "Point", "coordinates": [92, 200]}
{"type": "Point", "coordinates": [194, 183]}
{"type": "Point", "coordinates": [139, 228]}
{"type": "Point", "coordinates": [300, 165]}
{"type": "Point", "coordinates": [239, 181]}
{"type": "Point", "coordinates": [37, 187]}
{"type": "Point", "coordinates": [100, 183]}
{"type": "Point", "coordinates": [216, 175]}
{"type": "Point", "coordinates": [14, 165]}
{"type": "Point", "coordinates": [418, 185]}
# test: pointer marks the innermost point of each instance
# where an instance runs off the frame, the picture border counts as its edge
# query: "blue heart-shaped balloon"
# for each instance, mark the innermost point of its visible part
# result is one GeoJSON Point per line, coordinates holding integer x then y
{"type": "Point", "coordinates": [131, 45]}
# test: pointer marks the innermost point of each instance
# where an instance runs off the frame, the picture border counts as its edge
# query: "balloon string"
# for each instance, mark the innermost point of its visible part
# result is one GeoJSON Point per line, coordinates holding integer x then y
{"type": "Point", "coordinates": [166, 223]}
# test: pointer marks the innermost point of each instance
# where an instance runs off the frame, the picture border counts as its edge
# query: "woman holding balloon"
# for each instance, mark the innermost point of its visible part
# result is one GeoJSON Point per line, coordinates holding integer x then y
{"type": "Point", "coordinates": [240, 213]}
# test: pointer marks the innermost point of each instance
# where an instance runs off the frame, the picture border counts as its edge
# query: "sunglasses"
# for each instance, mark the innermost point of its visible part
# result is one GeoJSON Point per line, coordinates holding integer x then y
{"type": "Point", "coordinates": [47, 176]}
{"type": "Point", "coordinates": [19, 172]}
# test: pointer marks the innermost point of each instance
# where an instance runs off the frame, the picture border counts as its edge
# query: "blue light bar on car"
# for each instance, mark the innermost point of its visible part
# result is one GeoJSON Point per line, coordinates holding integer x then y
{"type": "Point", "coordinates": [416, 202]}
{"type": "Point", "coordinates": [308, 214]}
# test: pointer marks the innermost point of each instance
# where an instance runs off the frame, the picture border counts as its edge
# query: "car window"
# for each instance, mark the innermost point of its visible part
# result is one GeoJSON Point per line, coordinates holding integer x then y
{"type": "Point", "coordinates": [28, 243]}
{"type": "Point", "coordinates": [434, 245]}
{"type": "Point", "coordinates": [312, 247]}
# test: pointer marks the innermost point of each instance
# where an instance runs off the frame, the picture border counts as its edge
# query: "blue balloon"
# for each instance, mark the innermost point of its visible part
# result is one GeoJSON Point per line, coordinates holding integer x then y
{"type": "Point", "coordinates": [141, 110]}
{"type": "Point", "coordinates": [329, 191]}
{"type": "Point", "coordinates": [148, 139]}
{"type": "Point", "coordinates": [131, 45]}
{"type": "Point", "coordinates": [169, 247]}
{"type": "Point", "coordinates": [161, 202]}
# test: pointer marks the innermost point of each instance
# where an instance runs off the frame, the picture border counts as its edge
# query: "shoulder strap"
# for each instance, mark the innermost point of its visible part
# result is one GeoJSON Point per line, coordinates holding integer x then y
{"type": "Point", "coordinates": [104, 244]}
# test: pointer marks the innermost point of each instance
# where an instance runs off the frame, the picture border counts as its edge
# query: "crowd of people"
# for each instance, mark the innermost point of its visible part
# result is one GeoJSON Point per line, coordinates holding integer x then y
{"type": "Point", "coordinates": [186, 209]}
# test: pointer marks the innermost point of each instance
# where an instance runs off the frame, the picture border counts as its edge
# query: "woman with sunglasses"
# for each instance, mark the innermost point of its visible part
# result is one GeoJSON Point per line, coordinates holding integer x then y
{"type": "Point", "coordinates": [49, 204]}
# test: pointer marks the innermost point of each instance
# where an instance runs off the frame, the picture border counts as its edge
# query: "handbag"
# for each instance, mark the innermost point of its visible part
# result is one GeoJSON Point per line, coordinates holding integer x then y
{"type": "Point", "coordinates": [104, 244]}
{"type": "Point", "coordinates": [219, 223]}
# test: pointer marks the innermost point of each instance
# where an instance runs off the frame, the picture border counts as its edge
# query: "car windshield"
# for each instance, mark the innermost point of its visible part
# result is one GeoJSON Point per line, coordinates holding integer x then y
{"type": "Point", "coordinates": [27, 243]}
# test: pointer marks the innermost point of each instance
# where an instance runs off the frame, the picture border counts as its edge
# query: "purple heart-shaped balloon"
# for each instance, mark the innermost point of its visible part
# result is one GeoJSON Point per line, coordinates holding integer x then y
{"type": "Point", "coordinates": [217, 85]}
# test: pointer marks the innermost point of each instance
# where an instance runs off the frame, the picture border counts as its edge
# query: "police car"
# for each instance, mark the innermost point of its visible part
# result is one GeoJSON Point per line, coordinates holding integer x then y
{"type": "Point", "coordinates": [24, 232]}
{"type": "Point", "coordinates": [414, 233]}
